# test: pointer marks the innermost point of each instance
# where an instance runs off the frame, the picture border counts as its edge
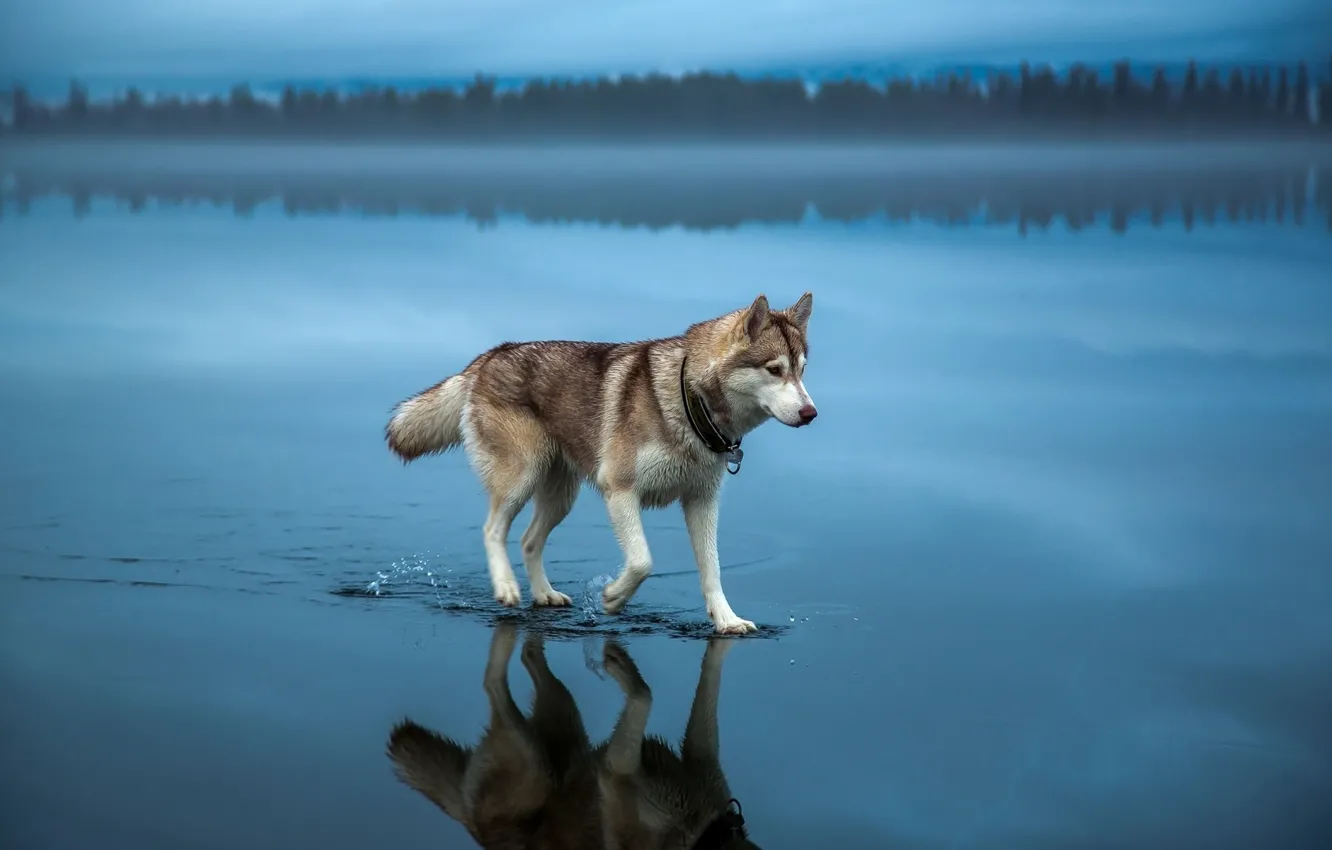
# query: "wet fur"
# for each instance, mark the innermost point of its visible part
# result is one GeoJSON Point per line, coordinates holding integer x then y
{"type": "Point", "coordinates": [539, 419]}
{"type": "Point", "coordinates": [536, 781]}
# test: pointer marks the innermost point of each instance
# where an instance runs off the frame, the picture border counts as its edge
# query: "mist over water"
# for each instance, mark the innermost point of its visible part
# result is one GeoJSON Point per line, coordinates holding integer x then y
{"type": "Point", "coordinates": [1050, 569]}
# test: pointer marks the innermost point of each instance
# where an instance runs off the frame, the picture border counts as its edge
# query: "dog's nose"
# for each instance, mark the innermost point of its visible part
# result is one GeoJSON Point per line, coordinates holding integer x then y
{"type": "Point", "coordinates": [807, 414]}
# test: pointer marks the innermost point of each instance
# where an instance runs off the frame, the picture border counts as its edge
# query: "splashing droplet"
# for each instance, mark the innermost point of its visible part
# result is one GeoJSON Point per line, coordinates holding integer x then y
{"type": "Point", "coordinates": [591, 601]}
{"type": "Point", "coordinates": [592, 657]}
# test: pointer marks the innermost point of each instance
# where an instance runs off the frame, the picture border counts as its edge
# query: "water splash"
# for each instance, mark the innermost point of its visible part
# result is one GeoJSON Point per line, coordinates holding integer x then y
{"type": "Point", "coordinates": [590, 603]}
{"type": "Point", "coordinates": [592, 657]}
{"type": "Point", "coordinates": [411, 572]}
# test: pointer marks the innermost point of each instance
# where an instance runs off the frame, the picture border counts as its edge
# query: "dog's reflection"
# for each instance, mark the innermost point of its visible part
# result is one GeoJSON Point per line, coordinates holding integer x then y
{"type": "Point", "coordinates": [538, 781]}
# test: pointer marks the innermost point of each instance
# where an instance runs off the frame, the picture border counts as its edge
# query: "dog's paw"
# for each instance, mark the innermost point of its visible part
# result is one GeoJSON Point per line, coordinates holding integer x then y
{"type": "Point", "coordinates": [717, 648]}
{"type": "Point", "coordinates": [534, 652]}
{"type": "Point", "coordinates": [735, 626]}
{"type": "Point", "coordinates": [508, 594]}
{"type": "Point", "coordinates": [613, 602]}
{"type": "Point", "coordinates": [615, 659]}
{"type": "Point", "coordinates": [623, 670]}
{"type": "Point", "coordinates": [502, 642]}
{"type": "Point", "coordinates": [550, 598]}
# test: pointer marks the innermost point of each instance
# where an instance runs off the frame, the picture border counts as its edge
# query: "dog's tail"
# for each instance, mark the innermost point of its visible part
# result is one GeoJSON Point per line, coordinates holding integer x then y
{"type": "Point", "coordinates": [429, 422]}
{"type": "Point", "coordinates": [431, 764]}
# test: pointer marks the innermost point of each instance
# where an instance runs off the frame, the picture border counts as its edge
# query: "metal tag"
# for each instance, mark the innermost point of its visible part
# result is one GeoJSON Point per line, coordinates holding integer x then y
{"type": "Point", "coordinates": [733, 458]}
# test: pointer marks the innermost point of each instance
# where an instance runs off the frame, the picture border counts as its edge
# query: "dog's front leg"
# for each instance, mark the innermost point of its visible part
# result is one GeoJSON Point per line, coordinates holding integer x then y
{"type": "Point", "coordinates": [701, 512]}
{"type": "Point", "coordinates": [701, 745]}
{"type": "Point", "coordinates": [624, 749]}
{"type": "Point", "coordinates": [626, 517]}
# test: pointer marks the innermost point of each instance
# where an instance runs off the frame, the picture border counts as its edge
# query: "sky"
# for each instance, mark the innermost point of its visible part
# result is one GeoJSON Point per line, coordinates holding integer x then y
{"type": "Point", "coordinates": [395, 37]}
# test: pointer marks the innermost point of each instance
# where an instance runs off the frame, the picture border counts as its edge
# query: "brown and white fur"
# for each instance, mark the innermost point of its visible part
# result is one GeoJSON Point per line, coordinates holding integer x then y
{"type": "Point", "coordinates": [537, 782]}
{"type": "Point", "coordinates": [537, 419]}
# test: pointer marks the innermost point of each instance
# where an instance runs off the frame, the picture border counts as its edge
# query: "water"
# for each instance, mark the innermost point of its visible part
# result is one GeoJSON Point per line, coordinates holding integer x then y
{"type": "Point", "coordinates": [1050, 569]}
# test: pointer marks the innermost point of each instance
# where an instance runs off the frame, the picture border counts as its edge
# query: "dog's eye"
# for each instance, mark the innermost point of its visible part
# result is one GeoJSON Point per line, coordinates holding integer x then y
{"type": "Point", "coordinates": [775, 371]}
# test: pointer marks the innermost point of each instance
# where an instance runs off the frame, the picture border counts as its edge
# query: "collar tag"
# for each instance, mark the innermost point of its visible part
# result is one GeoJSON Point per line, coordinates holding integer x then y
{"type": "Point", "coordinates": [733, 458]}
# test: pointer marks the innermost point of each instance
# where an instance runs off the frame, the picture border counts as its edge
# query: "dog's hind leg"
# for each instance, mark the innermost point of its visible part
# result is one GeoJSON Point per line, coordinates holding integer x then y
{"type": "Point", "coordinates": [554, 498]}
{"type": "Point", "coordinates": [504, 506]}
{"type": "Point", "coordinates": [509, 751]}
{"type": "Point", "coordinates": [555, 721]}
{"type": "Point", "coordinates": [510, 452]}
{"type": "Point", "coordinates": [504, 713]}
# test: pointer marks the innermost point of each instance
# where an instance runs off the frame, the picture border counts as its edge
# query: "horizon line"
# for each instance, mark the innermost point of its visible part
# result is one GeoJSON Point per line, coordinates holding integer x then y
{"type": "Point", "coordinates": [905, 65]}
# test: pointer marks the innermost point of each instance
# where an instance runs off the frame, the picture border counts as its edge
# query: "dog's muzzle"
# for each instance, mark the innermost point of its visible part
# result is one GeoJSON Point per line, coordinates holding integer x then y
{"type": "Point", "coordinates": [727, 827]}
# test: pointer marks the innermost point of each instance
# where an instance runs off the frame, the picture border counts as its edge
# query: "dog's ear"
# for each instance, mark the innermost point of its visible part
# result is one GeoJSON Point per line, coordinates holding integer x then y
{"type": "Point", "coordinates": [756, 317]}
{"type": "Point", "coordinates": [799, 312]}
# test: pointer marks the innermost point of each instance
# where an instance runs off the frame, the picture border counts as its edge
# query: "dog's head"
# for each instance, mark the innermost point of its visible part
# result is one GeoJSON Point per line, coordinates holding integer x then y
{"type": "Point", "coordinates": [765, 363]}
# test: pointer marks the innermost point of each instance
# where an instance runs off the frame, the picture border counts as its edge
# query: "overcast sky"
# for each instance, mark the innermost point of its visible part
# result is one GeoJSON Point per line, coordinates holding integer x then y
{"type": "Point", "coordinates": [348, 37]}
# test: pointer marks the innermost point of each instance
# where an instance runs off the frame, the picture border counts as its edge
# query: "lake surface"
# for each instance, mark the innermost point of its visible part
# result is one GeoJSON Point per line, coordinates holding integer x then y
{"type": "Point", "coordinates": [1053, 568]}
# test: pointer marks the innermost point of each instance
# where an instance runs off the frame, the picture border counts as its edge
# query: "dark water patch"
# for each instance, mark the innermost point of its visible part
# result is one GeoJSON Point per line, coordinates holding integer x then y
{"type": "Point", "coordinates": [561, 624]}
{"type": "Point", "coordinates": [35, 526]}
{"type": "Point", "coordinates": [80, 556]}
{"type": "Point", "coordinates": [470, 595]}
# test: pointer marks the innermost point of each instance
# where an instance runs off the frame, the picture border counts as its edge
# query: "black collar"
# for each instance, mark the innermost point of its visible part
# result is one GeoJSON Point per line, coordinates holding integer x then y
{"type": "Point", "coordinates": [727, 826]}
{"type": "Point", "coordinates": [696, 411]}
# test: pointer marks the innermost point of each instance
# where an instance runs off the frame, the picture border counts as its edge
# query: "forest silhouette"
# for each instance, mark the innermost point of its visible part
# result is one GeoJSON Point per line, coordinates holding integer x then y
{"type": "Point", "coordinates": [1273, 190]}
{"type": "Point", "coordinates": [1264, 100]}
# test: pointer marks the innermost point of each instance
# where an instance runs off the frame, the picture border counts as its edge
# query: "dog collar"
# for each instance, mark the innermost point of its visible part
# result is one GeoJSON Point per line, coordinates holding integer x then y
{"type": "Point", "coordinates": [697, 410]}
{"type": "Point", "coordinates": [726, 827]}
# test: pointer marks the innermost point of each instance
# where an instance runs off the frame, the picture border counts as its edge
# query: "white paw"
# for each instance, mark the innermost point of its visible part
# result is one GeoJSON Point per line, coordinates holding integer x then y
{"type": "Point", "coordinates": [733, 625]}
{"type": "Point", "coordinates": [508, 594]}
{"type": "Point", "coordinates": [612, 601]}
{"type": "Point", "coordinates": [550, 598]}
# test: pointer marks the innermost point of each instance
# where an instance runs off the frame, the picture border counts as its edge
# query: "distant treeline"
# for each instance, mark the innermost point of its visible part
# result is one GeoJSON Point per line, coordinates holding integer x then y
{"type": "Point", "coordinates": [1266, 99]}
{"type": "Point", "coordinates": [1281, 191]}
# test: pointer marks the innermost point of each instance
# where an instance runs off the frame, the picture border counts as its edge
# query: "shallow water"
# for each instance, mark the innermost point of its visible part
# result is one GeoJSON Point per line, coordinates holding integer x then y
{"type": "Point", "coordinates": [1050, 569]}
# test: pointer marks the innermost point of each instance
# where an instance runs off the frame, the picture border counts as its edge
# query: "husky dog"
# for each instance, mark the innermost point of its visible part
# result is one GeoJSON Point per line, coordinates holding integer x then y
{"type": "Point", "coordinates": [645, 423]}
{"type": "Point", "coordinates": [537, 782]}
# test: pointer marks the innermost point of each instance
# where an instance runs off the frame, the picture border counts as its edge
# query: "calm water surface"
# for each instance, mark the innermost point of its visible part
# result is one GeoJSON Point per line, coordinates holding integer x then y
{"type": "Point", "coordinates": [1050, 570]}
